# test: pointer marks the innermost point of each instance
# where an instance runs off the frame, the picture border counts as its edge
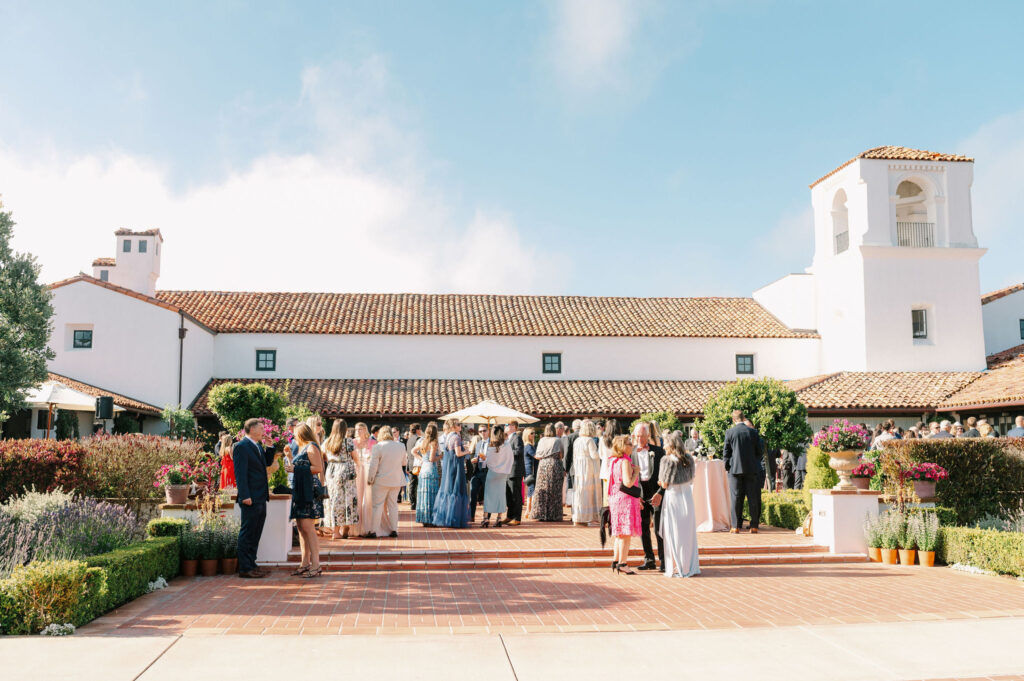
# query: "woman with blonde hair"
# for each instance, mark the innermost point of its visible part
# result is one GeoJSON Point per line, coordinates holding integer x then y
{"type": "Point", "coordinates": [227, 464]}
{"type": "Point", "coordinates": [317, 425]}
{"type": "Point", "coordinates": [623, 502]}
{"type": "Point", "coordinates": [429, 451]}
{"type": "Point", "coordinates": [451, 507]}
{"type": "Point", "coordinates": [654, 431]}
{"type": "Point", "coordinates": [363, 444]}
{"type": "Point", "coordinates": [307, 507]}
{"type": "Point", "coordinates": [342, 506]}
{"type": "Point", "coordinates": [530, 459]}
{"type": "Point", "coordinates": [586, 470]}
{"type": "Point", "coordinates": [547, 495]}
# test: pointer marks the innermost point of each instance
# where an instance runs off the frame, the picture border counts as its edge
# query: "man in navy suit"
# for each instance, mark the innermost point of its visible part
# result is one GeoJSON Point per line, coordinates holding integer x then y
{"type": "Point", "coordinates": [253, 465]}
{"type": "Point", "coordinates": [744, 459]}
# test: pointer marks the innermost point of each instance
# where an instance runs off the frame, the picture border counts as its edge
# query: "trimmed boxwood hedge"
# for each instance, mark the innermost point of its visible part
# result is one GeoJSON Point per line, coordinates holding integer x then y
{"type": "Point", "coordinates": [166, 527]}
{"type": "Point", "coordinates": [130, 570]}
{"type": "Point", "coordinates": [49, 592]}
{"type": "Point", "coordinates": [780, 509]}
{"type": "Point", "coordinates": [1001, 552]}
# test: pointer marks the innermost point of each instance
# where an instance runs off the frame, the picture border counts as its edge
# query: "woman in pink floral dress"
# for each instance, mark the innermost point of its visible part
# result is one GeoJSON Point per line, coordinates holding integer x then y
{"type": "Point", "coordinates": [623, 508]}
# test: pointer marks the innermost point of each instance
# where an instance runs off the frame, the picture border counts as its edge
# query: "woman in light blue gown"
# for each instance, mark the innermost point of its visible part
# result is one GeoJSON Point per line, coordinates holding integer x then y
{"type": "Point", "coordinates": [451, 507]}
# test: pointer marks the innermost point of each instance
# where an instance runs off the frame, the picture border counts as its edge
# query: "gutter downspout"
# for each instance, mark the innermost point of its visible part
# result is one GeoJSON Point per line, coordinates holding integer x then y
{"type": "Point", "coordinates": [181, 353]}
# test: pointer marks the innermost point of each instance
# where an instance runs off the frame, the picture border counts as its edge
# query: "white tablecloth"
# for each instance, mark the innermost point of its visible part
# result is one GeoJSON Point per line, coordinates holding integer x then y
{"type": "Point", "coordinates": [711, 499]}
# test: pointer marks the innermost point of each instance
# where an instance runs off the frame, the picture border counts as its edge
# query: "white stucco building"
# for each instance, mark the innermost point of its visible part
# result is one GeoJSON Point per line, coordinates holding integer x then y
{"type": "Point", "coordinates": [887, 319]}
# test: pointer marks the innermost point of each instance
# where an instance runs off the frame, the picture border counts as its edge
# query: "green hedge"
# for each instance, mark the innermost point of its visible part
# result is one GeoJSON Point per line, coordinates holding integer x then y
{"type": "Point", "coordinates": [130, 570]}
{"type": "Point", "coordinates": [986, 475]}
{"type": "Point", "coordinates": [166, 527]}
{"type": "Point", "coordinates": [819, 475]}
{"type": "Point", "coordinates": [50, 592]}
{"type": "Point", "coordinates": [1001, 552]}
{"type": "Point", "coordinates": [781, 509]}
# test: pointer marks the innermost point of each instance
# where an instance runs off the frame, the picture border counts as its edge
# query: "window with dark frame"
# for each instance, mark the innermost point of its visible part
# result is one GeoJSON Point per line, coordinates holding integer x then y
{"type": "Point", "coordinates": [1022, 329]}
{"type": "Point", "coordinates": [127, 247]}
{"type": "Point", "coordinates": [744, 364]}
{"type": "Point", "coordinates": [919, 321]}
{"type": "Point", "coordinates": [41, 418]}
{"type": "Point", "coordinates": [104, 275]}
{"type": "Point", "coordinates": [552, 362]}
{"type": "Point", "coordinates": [266, 360]}
{"type": "Point", "coordinates": [81, 338]}
{"type": "Point", "coordinates": [142, 245]}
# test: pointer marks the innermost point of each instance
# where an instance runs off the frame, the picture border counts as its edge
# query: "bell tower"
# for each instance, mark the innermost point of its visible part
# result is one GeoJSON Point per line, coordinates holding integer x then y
{"type": "Point", "coordinates": [136, 264]}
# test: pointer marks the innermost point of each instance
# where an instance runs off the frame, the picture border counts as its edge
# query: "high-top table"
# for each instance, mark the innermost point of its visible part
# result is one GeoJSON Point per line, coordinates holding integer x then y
{"type": "Point", "coordinates": [711, 499]}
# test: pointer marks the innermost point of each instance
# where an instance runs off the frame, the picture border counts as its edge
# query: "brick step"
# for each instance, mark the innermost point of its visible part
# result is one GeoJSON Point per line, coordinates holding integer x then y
{"type": "Point", "coordinates": [530, 554]}
{"type": "Point", "coordinates": [706, 560]}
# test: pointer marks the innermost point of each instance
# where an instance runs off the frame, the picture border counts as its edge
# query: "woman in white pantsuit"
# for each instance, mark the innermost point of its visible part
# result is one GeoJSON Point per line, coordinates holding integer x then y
{"type": "Point", "coordinates": [678, 520]}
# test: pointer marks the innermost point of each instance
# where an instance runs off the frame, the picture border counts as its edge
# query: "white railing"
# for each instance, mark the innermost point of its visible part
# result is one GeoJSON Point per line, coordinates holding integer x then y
{"type": "Point", "coordinates": [915, 234]}
{"type": "Point", "coordinates": [842, 242]}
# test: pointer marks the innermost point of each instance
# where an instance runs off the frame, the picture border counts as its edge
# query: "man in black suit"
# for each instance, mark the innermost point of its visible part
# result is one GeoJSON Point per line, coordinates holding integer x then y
{"type": "Point", "coordinates": [415, 433]}
{"type": "Point", "coordinates": [514, 491]}
{"type": "Point", "coordinates": [744, 457]}
{"type": "Point", "coordinates": [253, 464]}
{"type": "Point", "coordinates": [647, 457]}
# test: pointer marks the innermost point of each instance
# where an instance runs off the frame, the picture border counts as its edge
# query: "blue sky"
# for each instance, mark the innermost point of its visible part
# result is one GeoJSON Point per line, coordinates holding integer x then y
{"type": "Point", "coordinates": [585, 147]}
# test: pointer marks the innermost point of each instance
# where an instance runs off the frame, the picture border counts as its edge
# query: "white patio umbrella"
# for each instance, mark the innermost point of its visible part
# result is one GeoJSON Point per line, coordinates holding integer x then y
{"type": "Point", "coordinates": [52, 395]}
{"type": "Point", "coordinates": [489, 412]}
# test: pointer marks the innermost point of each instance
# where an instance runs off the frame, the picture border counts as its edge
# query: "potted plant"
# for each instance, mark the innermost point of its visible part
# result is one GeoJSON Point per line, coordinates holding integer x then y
{"type": "Point", "coordinates": [861, 475]}
{"type": "Point", "coordinates": [906, 540]}
{"type": "Point", "coordinates": [209, 553]}
{"type": "Point", "coordinates": [925, 475]}
{"type": "Point", "coordinates": [189, 541]}
{"type": "Point", "coordinates": [229, 550]}
{"type": "Point", "coordinates": [927, 533]}
{"type": "Point", "coordinates": [873, 531]}
{"type": "Point", "coordinates": [176, 480]}
{"type": "Point", "coordinates": [844, 442]}
{"type": "Point", "coordinates": [890, 525]}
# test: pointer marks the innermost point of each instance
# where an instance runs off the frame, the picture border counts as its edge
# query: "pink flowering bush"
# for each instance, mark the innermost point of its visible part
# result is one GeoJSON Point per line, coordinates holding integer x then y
{"type": "Point", "coordinates": [124, 466]}
{"type": "Point", "coordinates": [273, 434]}
{"type": "Point", "coordinates": [842, 436]}
{"type": "Point", "coordinates": [932, 472]}
{"type": "Point", "coordinates": [864, 470]}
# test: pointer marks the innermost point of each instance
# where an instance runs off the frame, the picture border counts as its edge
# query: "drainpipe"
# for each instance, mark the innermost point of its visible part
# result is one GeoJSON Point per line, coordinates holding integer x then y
{"type": "Point", "coordinates": [181, 352]}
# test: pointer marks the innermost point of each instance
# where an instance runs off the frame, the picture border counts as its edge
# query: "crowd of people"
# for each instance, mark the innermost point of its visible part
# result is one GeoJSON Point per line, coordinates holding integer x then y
{"type": "Point", "coordinates": [971, 427]}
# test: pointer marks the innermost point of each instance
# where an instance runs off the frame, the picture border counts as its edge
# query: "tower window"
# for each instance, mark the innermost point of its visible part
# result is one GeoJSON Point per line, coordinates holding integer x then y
{"type": "Point", "coordinates": [266, 360]}
{"type": "Point", "coordinates": [744, 364]}
{"type": "Point", "coordinates": [1022, 329]}
{"type": "Point", "coordinates": [919, 322]}
{"type": "Point", "coordinates": [142, 245]}
{"type": "Point", "coordinates": [127, 247]}
{"type": "Point", "coordinates": [104, 275]}
{"type": "Point", "coordinates": [81, 339]}
{"type": "Point", "coordinates": [552, 362]}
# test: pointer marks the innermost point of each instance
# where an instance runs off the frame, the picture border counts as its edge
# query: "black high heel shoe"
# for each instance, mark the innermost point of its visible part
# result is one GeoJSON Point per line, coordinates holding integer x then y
{"type": "Point", "coordinates": [614, 565]}
{"type": "Point", "coordinates": [623, 569]}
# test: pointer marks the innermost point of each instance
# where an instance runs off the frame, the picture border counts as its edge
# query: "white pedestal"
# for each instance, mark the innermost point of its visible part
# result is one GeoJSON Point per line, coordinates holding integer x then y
{"type": "Point", "coordinates": [839, 518]}
{"type": "Point", "coordinates": [276, 541]}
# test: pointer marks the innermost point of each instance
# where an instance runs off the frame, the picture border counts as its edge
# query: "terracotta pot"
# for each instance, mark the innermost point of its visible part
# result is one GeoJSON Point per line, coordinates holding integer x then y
{"type": "Point", "coordinates": [889, 556]}
{"type": "Point", "coordinates": [228, 566]}
{"type": "Point", "coordinates": [926, 558]}
{"type": "Point", "coordinates": [188, 567]}
{"type": "Point", "coordinates": [924, 489]}
{"type": "Point", "coordinates": [208, 567]}
{"type": "Point", "coordinates": [907, 556]}
{"type": "Point", "coordinates": [176, 494]}
{"type": "Point", "coordinates": [875, 554]}
{"type": "Point", "coordinates": [861, 483]}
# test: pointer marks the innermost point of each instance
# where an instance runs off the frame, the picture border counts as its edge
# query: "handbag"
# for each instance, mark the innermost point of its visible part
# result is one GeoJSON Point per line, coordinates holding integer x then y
{"type": "Point", "coordinates": [631, 491]}
{"type": "Point", "coordinates": [319, 491]}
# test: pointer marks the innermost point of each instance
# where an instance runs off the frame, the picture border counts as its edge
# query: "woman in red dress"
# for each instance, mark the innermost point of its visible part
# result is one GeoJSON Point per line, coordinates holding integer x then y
{"type": "Point", "coordinates": [227, 465]}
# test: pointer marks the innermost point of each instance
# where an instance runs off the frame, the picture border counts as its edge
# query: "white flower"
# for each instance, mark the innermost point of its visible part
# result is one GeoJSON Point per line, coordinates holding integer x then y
{"type": "Point", "coordinates": [156, 585]}
{"type": "Point", "coordinates": [58, 630]}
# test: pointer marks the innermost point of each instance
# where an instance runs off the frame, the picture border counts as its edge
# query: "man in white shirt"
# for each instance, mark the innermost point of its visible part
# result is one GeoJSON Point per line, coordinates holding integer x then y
{"type": "Point", "coordinates": [647, 457]}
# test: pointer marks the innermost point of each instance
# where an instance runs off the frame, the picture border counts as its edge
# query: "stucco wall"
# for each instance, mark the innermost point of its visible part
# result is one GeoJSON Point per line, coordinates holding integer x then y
{"type": "Point", "coordinates": [1002, 322]}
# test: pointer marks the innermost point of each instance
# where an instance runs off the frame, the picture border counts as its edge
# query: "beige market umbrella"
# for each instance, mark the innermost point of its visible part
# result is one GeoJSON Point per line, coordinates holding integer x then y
{"type": "Point", "coordinates": [52, 395]}
{"type": "Point", "coordinates": [489, 412]}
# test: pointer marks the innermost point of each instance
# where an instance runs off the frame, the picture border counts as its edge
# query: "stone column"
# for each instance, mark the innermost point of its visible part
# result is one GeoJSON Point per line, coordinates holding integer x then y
{"type": "Point", "coordinates": [838, 517]}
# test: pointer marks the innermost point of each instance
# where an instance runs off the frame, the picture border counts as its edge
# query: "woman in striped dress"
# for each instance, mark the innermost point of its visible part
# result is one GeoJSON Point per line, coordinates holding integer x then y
{"type": "Point", "coordinates": [430, 475]}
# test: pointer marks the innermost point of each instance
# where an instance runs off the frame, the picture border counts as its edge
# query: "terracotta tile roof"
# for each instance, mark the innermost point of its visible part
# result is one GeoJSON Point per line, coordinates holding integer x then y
{"type": "Point", "coordinates": [1001, 293]}
{"type": "Point", "coordinates": [897, 154]}
{"type": "Point", "coordinates": [885, 389]}
{"type": "Point", "coordinates": [145, 232]}
{"type": "Point", "coordinates": [119, 400]}
{"type": "Point", "coordinates": [479, 315]}
{"type": "Point", "coordinates": [1002, 384]}
{"type": "Point", "coordinates": [104, 262]}
{"type": "Point", "coordinates": [436, 397]}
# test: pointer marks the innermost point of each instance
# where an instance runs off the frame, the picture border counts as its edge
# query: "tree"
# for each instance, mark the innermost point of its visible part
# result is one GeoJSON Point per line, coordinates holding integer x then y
{"type": "Point", "coordinates": [667, 421]}
{"type": "Point", "coordinates": [181, 424]}
{"type": "Point", "coordinates": [768, 403]}
{"type": "Point", "coordinates": [235, 403]}
{"type": "Point", "coordinates": [25, 322]}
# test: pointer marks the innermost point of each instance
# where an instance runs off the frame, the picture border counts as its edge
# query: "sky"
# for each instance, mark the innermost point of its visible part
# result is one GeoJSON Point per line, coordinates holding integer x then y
{"type": "Point", "coordinates": [583, 147]}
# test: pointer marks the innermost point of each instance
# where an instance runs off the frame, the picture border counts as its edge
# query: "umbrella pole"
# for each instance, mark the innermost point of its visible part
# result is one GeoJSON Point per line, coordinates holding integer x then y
{"type": "Point", "coordinates": [49, 420]}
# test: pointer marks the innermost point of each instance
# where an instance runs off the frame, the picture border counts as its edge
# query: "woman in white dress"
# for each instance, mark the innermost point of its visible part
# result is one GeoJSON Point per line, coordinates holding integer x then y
{"type": "Point", "coordinates": [678, 522]}
{"type": "Point", "coordinates": [586, 471]}
{"type": "Point", "coordinates": [499, 466]}
{"type": "Point", "coordinates": [363, 444]}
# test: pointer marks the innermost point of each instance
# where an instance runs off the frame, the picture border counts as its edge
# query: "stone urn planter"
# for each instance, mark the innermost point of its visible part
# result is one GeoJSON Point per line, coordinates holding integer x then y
{"type": "Point", "coordinates": [189, 567]}
{"type": "Point", "coordinates": [861, 483]}
{"type": "Point", "coordinates": [924, 489]}
{"type": "Point", "coordinates": [176, 494]}
{"type": "Point", "coordinates": [208, 567]}
{"type": "Point", "coordinates": [842, 463]}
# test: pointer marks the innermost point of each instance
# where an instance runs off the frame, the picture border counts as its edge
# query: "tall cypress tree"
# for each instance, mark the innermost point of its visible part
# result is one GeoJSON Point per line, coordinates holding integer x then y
{"type": "Point", "coordinates": [25, 322]}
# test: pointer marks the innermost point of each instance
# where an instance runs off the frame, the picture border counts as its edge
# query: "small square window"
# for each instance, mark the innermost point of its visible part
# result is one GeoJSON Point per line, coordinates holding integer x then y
{"type": "Point", "coordinates": [1022, 329]}
{"type": "Point", "coordinates": [919, 322]}
{"type": "Point", "coordinates": [552, 363]}
{"type": "Point", "coordinates": [42, 416]}
{"type": "Point", "coordinates": [104, 275]}
{"type": "Point", "coordinates": [744, 364]}
{"type": "Point", "coordinates": [266, 360]}
{"type": "Point", "coordinates": [82, 338]}
{"type": "Point", "coordinates": [127, 247]}
{"type": "Point", "coordinates": [142, 245]}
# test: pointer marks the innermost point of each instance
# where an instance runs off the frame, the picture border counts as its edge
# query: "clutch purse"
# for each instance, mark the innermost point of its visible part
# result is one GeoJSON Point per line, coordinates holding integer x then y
{"type": "Point", "coordinates": [319, 491]}
{"type": "Point", "coordinates": [631, 491]}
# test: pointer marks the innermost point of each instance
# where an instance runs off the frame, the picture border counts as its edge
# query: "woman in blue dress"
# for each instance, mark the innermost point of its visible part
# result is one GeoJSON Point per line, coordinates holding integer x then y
{"type": "Point", "coordinates": [451, 507]}
{"type": "Point", "coordinates": [429, 452]}
{"type": "Point", "coordinates": [306, 507]}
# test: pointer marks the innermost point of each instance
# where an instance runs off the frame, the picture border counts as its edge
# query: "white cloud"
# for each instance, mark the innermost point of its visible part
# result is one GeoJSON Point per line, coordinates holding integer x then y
{"type": "Point", "coordinates": [335, 219]}
{"type": "Point", "coordinates": [593, 38]}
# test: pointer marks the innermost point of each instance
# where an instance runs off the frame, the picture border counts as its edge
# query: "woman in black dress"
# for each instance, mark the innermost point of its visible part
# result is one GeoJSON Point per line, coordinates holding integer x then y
{"type": "Point", "coordinates": [306, 507]}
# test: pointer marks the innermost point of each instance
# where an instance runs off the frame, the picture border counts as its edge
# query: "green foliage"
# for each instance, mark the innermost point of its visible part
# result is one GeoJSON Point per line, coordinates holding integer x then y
{"type": "Point", "coordinates": [44, 465]}
{"type": "Point", "coordinates": [986, 475]}
{"type": "Point", "coordinates": [945, 516]}
{"type": "Point", "coordinates": [925, 528]}
{"type": "Point", "coordinates": [25, 322]}
{"type": "Point", "coordinates": [768, 403]}
{"type": "Point", "coordinates": [130, 570]}
{"type": "Point", "coordinates": [49, 592]}
{"type": "Point", "coordinates": [235, 403]}
{"type": "Point", "coordinates": [180, 422]}
{"type": "Point", "coordinates": [873, 531]}
{"type": "Point", "coordinates": [166, 527]}
{"type": "Point", "coordinates": [1001, 552]}
{"type": "Point", "coordinates": [891, 525]}
{"type": "Point", "coordinates": [190, 544]}
{"type": "Point", "coordinates": [125, 423]}
{"type": "Point", "coordinates": [667, 421]}
{"type": "Point", "coordinates": [819, 474]}
{"type": "Point", "coordinates": [784, 509]}
{"type": "Point", "coordinates": [229, 541]}
{"type": "Point", "coordinates": [906, 537]}
{"type": "Point", "coordinates": [209, 543]}
{"type": "Point", "coordinates": [66, 425]}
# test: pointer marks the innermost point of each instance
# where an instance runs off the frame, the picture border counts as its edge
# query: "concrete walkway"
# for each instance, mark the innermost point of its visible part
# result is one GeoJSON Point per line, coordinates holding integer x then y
{"type": "Point", "coordinates": [965, 649]}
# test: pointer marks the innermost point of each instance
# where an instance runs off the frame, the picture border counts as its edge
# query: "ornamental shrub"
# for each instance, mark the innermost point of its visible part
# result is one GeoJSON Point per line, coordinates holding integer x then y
{"type": "Point", "coordinates": [1001, 552]}
{"type": "Point", "coordinates": [819, 474]}
{"type": "Point", "coordinates": [49, 592]}
{"type": "Point", "coordinates": [986, 475]}
{"type": "Point", "coordinates": [181, 424]}
{"type": "Point", "coordinates": [129, 570]}
{"type": "Point", "coordinates": [166, 527]}
{"type": "Point", "coordinates": [784, 509]}
{"type": "Point", "coordinates": [44, 465]}
{"type": "Point", "coordinates": [234, 403]}
{"type": "Point", "coordinates": [124, 466]}
{"type": "Point", "coordinates": [667, 421]}
{"type": "Point", "coordinates": [66, 425]}
{"type": "Point", "coordinates": [768, 403]}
